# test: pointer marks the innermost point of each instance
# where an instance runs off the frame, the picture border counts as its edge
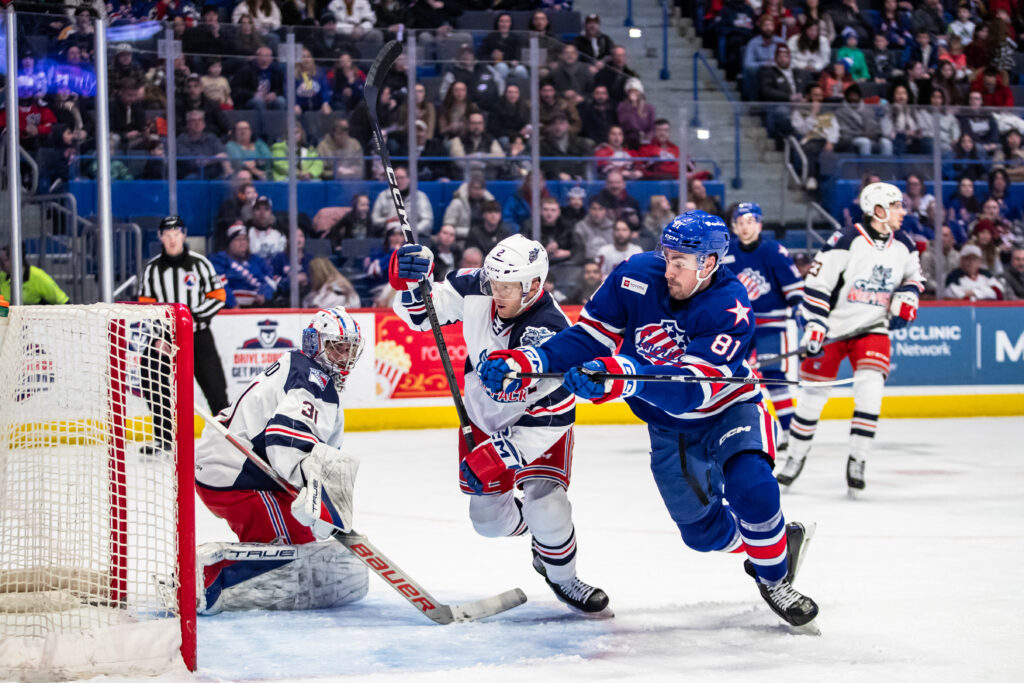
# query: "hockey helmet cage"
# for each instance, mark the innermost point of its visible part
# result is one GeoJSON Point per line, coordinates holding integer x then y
{"type": "Point", "coordinates": [879, 194]}
{"type": "Point", "coordinates": [516, 259]}
{"type": "Point", "coordinates": [333, 339]}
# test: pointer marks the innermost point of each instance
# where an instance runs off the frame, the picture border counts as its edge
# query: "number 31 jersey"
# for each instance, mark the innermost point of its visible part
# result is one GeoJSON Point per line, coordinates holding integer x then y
{"type": "Point", "coordinates": [280, 416]}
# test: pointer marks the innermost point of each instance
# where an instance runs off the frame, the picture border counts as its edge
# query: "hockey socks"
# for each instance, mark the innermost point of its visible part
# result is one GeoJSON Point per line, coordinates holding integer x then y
{"type": "Point", "coordinates": [753, 495]}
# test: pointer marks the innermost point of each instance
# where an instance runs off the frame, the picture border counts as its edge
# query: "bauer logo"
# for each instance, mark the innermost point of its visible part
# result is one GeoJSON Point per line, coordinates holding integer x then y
{"type": "Point", "coordinates": [634, 286]}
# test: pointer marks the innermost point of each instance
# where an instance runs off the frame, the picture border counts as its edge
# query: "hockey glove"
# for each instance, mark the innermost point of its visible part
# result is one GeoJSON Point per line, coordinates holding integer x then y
{"type": "Point", "coordinates": [814, 337]}
{"type": "Point", "coordinates": [902, 310]}
{"type": "Point", "coordinates": [409, 264]}
{"type": "Point", "coordinates": [488, 461]}
{"type": "Point", "coordinates": [325, 502]}
{"type": "Point", "coordinates": [580, 380]}
{"type": "Point", "coordinates": [492, 372]}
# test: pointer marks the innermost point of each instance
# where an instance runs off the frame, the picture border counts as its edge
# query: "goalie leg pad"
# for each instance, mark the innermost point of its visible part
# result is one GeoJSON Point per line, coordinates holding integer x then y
{"type": "Point", "coordinates": [252, 576]}
{"type": "Point", "coordinates": [548, 513]}
{"type": "Point", "coordinates": [496, 516]}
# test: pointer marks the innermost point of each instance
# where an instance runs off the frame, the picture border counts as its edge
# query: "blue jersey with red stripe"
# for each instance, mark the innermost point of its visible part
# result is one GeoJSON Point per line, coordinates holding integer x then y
{"type": "Point", "coordinates": [773, 283]}
{"type": "Point", "coordinates": [707, 335]}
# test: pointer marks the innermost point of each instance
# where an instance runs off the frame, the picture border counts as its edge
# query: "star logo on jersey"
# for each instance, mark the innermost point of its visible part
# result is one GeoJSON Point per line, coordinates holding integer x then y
{"type": "Point", "coordinates": [755, 283]}
{"type": "Point", "coordinates": [740, 311]}
{"type": "Point", "coordinates": [662, 343]}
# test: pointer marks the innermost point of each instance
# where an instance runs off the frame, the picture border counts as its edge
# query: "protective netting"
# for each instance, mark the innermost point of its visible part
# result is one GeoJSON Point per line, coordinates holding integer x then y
{"type": "Point", "coordinates": [88, 474]}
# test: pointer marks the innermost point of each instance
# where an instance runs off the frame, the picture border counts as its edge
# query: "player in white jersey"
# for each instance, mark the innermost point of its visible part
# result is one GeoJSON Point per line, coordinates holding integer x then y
{"type": "Point", "coordinates": [524, 440]}
{"type": "Point", "coordinates": [291, 417]}
{"type": "Point", "coordinates": [867, 278]}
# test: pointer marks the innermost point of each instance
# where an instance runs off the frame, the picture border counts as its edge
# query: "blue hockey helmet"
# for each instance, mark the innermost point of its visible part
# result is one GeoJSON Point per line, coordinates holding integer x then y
{"type": "Point", "coordinates": [696, 232]}
{"type": "Point", "coordinates": [744, 208]}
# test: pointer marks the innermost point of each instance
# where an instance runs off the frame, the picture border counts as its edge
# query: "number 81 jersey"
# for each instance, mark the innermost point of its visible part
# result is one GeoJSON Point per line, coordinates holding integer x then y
{"type": "Point", "coordinates": [707, 335]}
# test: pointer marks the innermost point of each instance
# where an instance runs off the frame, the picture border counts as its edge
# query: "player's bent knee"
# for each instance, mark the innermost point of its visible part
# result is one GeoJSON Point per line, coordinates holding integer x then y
{"type": "Point", "coordinates": [546, 507]}
{"type": "Point", "coordinates": [711, 532]}
{"type": "Point", "coordinates": [750, 487]}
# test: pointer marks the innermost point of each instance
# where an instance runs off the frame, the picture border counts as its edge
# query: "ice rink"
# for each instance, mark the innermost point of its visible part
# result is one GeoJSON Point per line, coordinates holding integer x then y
{"type": "Point", "coordinates": [920, 579]}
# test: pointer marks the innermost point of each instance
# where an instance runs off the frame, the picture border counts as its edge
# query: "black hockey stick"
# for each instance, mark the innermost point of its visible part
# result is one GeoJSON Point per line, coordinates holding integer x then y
{"type": "Point", "coordinates": [772, 359]}
{"type": "Point", "coordinates": [368, 554]}
{"type": "Point", "coordinates": [374, 80]}
{"type": "Point", "coordinates": [686, 379]}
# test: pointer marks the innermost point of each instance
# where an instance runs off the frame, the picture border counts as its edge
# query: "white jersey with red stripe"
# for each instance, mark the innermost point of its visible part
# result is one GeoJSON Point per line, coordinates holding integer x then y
{"type": "Point", "coordinates": [280, 416]}
{"type": "Point", "coordinates": [535, 419]}
{"type": "Point", "coordinates": [853, 278]}
{"type": "Point", "coordinates": [707, 335]}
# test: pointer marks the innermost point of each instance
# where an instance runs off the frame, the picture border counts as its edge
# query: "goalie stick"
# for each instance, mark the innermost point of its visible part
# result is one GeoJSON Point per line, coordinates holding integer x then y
{"type": "Point", "coordinates": [371, 89]}
{"type": "Point", "coordinates": [602, 376]}
{"type": "Point", "coordinates": [368, 554]}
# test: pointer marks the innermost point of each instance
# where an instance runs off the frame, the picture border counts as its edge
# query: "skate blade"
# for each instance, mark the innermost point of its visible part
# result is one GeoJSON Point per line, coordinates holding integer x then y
{"type": "Point", "coordinates": [808, 629]}
{"type": "Point", "coordinates": [809, 530]}
{"type": "Point", "coordinates": [854, 494]}
{"type": "Point", "coordinates": [606, 613]}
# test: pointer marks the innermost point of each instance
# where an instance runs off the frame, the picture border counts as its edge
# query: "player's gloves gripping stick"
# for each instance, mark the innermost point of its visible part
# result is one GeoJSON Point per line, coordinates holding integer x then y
{"type": "Point", "coordinates": [409, 264]}
{"type": "Point", "coordinates": [325, 502]}
{"type": "Point", "coordinates": [814, 337]}
{"type": "Point", "coordinates": [581, 381]}
{"type": "Point", "coordinates": [488, 461]}
{"type": "Point", "coordinates": [494, 371]}
{"type": "Point", "coordinates": [902, 310]}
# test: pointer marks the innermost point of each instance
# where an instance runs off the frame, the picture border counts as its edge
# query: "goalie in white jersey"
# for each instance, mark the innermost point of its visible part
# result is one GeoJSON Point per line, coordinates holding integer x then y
{"type": "Point", "coordinates": [867, 281]}
{"type": "Point", "coordinates": [524, 440]}
{"type": "Point", "coordinates": [291, 417]}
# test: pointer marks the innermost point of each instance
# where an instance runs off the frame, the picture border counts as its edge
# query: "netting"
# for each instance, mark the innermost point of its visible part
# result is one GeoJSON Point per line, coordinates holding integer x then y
{"type": "Point", "coordinates": [88, 477]}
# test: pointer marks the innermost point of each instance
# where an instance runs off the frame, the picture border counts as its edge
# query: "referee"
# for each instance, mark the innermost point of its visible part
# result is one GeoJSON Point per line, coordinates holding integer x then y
{"type": "Point", "coordinates": [181, 277]}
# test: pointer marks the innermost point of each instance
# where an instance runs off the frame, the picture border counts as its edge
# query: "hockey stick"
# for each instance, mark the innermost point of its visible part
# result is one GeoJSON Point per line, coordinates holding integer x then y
{"type": "Point", "coordinates": [371, 89]}
{"type": "Point", "coordinates": [368, 554]}
{"type": "Point", "coordinates": [774, 358]}
{"type": "Point", "coordinates": [686, 379]}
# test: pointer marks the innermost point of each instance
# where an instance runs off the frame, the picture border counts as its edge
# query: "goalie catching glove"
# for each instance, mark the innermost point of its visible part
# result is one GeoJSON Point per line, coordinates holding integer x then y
{"type": "Point", "coordinates": [490, 460]}
{"type": "Point", "coordinates": [902, 310]}
{"type": "Point", "coordinates": [324, 504]}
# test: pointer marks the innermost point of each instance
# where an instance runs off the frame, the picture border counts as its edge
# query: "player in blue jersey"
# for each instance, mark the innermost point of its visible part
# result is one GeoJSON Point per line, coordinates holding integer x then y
{"type": "Point", "coordinates": [773, 284]}
{"type": "Point", "coordinates": [674, 311]}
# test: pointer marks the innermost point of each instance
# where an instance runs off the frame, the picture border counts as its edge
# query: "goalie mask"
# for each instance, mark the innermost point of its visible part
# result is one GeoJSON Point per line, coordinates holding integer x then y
{"type": "Point", "coordinates": [516, 259]}
{"type": "Point", "coordinates": [334, 341]}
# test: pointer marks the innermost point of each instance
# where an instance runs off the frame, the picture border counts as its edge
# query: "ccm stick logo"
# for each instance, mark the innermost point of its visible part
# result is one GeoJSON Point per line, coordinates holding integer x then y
{"type": "Point", "coordinates": [397, 196]}
{"type": "Point", "coordinates": [392, 576]}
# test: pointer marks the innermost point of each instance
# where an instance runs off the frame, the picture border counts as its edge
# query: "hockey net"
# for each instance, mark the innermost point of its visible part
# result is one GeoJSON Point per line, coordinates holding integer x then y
{"type": "Point", "coordinates": [96, 516]}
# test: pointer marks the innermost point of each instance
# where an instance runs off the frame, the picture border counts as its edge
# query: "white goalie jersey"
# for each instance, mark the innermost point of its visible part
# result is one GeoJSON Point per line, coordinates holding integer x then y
{"type": "Point", "coordinates": [853, 278]}
{"type": "Point", "coordinates": [535, 419]}
{"type": "Point", "coordinates": [280, 416]}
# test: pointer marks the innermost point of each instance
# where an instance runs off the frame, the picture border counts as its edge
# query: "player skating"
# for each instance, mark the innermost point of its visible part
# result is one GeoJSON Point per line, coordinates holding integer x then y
{"type": "Point", "coordinates": [773, 284]}
{"type": "Point", "coordinates": [525, 439]}
{"type": "Point", "coordinates": [291, 417]}
{"type": "Point", "coordinates": [674, 311]}
{"type": "Point", "coordinates": [867, 277]}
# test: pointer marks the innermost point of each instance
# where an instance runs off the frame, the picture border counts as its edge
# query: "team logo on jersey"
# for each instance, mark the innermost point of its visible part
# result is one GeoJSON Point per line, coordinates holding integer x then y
{"type": "Point", "coordinates": [535, 336]}
{"type": "Point", "coordinates": [755, 283]}
{"type": "Point", "coordinates": [191, 280]}
{"type": "Point", "coordinates": [662, 343]}
{"type": "Point", "coordinates": [317, 377]}
{"type": "Point", "coordinates": [874, 290]}
{"type": "Point", "coordinates": [634, 286]}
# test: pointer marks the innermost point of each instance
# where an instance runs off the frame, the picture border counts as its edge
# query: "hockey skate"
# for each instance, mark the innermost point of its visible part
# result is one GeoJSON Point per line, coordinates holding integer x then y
{"type": "Point", "coordinates": [791, 470]}
{"type": "Point", "coordinates": [855, 476]}
{"type": "Point", "coordinates": [798, 537]}
{"type": "Point", "coordinates": [784, 600]}
{"type": "Point", "coordinates": [782, 442]}
{"type": "Point", "coordinates": [578, 595]}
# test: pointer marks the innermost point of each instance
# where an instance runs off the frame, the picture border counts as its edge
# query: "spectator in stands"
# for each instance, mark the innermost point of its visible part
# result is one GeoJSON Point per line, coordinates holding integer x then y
{"type": "Point", "coordinates": [474, 258]}
{"type": "Point", "coordinates": [597, 115]}
{"type": "Point", "coordinates": [592, 44]}
{"type": "Point", "coordinates": [1013, 277]}
{"type": "Point", "coordinates": [310, 165]}
{"type": "Point", "coordinates": [759, 52]}
{"type": "Point", "coordinates": [594, 230]}
{"type": "Point", "coordinates": [387, 116]}
{"type": "Point", "coordinates": [124, 65]}
{"type": "Point", "coordinates": [325, 41]}
{"type": "Point", "coordinates": [620, 248]}
{"type": "Point", "coordinates": [510, 116]}
{"type": "Point", "coordinates": [245, 152]}
{"type": "Point", "coordinates": [194, 99]}
{"type": "Point", "coordinates": [346, 81]}
{"type": "Point", "coordinates": [810, 10]}
{"type": "Point", "coordinates": [433, 157]}
{"type": "Point", "coordinates": [615, 196]}
{"type": "Point", "coordinates": [207, 36]}
{"type": "Point", "coordinates": [849, 50]}
{"type": "Point", "coordinates": [917, 201]}
{"type": "Point", "coordinates": [550, 103]}
{"type": "Point", "coordinates": [559, 141]}
{"type": "Point", "coordinates": [883, 63]}
{"type": "Point", "coordinates": [963, 26]}
{"type": "Point", "coordinates": [245, 40]}
{"type": "Point", "coordinates": [950, 261]}
{"type": "Point", "coordinates": [992, 211]}
{"type": "Point", "coordinates": [994, 92]}
{"type": "Point", "coordinates": [342, 154]}
{"type": "Point", "coordinates": [465, 211]}
{"type": "Point", "coordinates": [969, 158]}
{"type": "Point", "coordinates": [476, 149]}
{"type": "Point", "coordinates": [328, 287]}
{"type": "Point", "coordinates": [918, 81]}
{"type": "Point", "coordinates": [201, 153]}
{"type": "Point", "coordinates": [911, 127]}
{"type": "Point", "coordinates": [957, 57]}
{"type": "Point", "coordinates": [491, 230]}
{"type": "Point", "coordinates": [980, 125]}
{"type": "Point", "coordinates": [446, 250]}
{"type": "Point", "coordinates": [57, 157]}
{"type": "Point", "coordinates": [384, 206]}
{"type": "Point", "coordinates": [504, 48]}
{"type": "Point", "coordinates": [809, 50]}
{"type": "Point", "coordinates": [589, 283]}
{"type": "Point", "coordinates": [234, 208]}
{"type": "Point", "coordinates": [817, 130]}
{"type": "Point", "coordinates": [666, 167]}
{"type": "Point", "coordinates": [75, 74]}
{"type": "Point", "coordinates": [81, 33]}
{"type": "Point", "coordinates": [28, 66]}
{"type": "Point", "coordinates": [735, 27]}
{"type": "Point", "coordinates": [834, 81]}
{"type": "Point", "coordinates": [894, 25]}
{"type": "Point", "coordinates": [985, 235]}
{"type": "Point", "coordinates": [573, 210]}
{"type": "Point", "coordinates": [376, 264]}
{"type": "Point", "coordinates": [785, 22]}
{"type": "Point", "coordinates": [698, 194]}
{"type": "Point", "coordinates": [267, 234]}
{"type": "Point", "coordinates": [281, 265]}
{"type": "Point", "coordinates": [354, 224]}
{"type": "Point", "coordinates": [571, 77]}
{"type": "Point", "coordinates": [215, 86]}
{"type": "Point", "coordinates": [859, 129]}
{"type": "Point", "coordinates": [927, 18]}
{"type": "Point", "coordinates": [517, 164]}
{"type": "Point", "coordinates": [37, 287]}
{"type": "Point", "coordinates": [946, 81]}
{"type": "Point", "coordinates": [551, 287]}
{"type": "Point", "coordinates": [615, 73]}
{"type": "Point", "coordinates": [547, 42]}
{"type": "Point", "coordinates": [962, 207]}
{"type": "Point", "coordinates": [778, 83]}
{"type": "Point", "coordinates": [483, 82]}
{"type": "Point", "coordinates": [259, 85]}
{"type": "Point", "coordinates": [612, 155]}
{"type": "Point", "coordinates": [424, 110]}
{"type": "Point", "coordinates": [455, 111]}
{"type": "Point", "coordinates": [558, 237]}
{"type": "Point", "coordinates": [312, 91]}
{"type": "Point", "coordinates": [848, 15]}
{"type": "Point", "coordinates": [636, 115]}
{"type": "Point", "coordinates": [249, 277]}
{"type": "Point", "coordinates": [265, 15]}
{"type": "Point", "coordinates": [127, 116]}
{"type": "Point", "coordinates": [517, 208]}
{"type": "Point", "coordinates": [999, 188]}
{"type": "Point", "coordinates": [922, 50]}
{"type": "Point", "coordinates": [659, 214]}
{"type": "Point", "coordinates": [355, 18]}
{"type": "Point", "coordinates": [970, 282]}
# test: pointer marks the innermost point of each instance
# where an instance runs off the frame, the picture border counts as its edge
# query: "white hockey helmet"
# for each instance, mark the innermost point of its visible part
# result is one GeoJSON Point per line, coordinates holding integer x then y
{"type": "Point", "coordinates": [517, 259]}
{"type": "Point", "coordinates": [879, 194]}
{"type": "Point", "coordinates": [333, 339]}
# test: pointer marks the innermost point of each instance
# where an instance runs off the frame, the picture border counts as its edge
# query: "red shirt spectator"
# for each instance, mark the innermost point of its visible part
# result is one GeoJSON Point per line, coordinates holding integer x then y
{"type": "Point", "coordinates": [994, 93]}
{"type": "Point", "coordinates": [667, 153]}
{"type": "Point", "coordinates": [34, 122]}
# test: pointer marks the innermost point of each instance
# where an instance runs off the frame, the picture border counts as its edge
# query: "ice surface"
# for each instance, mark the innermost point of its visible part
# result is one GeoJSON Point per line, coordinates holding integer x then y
{"type": "Point", "coordinates": [917, 580]}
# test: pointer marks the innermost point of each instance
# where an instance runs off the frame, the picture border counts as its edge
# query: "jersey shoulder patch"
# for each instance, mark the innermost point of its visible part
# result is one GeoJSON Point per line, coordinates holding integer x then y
{"type": "Point", "coordinates": [842, 239]}
{"type": "Point", "coordinates": [466, 281]}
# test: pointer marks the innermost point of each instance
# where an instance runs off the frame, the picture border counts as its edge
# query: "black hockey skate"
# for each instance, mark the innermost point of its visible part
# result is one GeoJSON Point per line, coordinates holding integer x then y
{"type": "Point", "coordinates": [855, 473]}
{"type": "Point", "coordinates": [791, 470]}
{"type": "Point", "coordinates": [793, 607]}
{"type": "Point", "coordinates": [575, 593]}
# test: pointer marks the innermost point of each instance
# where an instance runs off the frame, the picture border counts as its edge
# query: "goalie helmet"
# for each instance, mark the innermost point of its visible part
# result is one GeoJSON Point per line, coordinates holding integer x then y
{"type": "Point", "coordinates": [879, 194]}
{"type": "Point", "coordinates": [334, 341]}
{"type": "Point", "coordinates": [517, 259]}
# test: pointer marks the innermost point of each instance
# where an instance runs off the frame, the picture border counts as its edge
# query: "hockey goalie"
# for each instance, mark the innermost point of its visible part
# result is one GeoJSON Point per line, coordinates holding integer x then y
{"type": "Point", "coordinates": [291, 417]}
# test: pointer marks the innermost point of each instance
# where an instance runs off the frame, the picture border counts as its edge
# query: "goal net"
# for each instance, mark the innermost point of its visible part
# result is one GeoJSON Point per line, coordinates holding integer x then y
{"type": "Point", "coordinates": [97, 548]}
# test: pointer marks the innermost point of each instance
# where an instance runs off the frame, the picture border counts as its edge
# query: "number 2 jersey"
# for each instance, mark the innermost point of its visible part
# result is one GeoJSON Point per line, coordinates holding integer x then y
{"type": "Point", "coordinates": [281, 415]}
{"type": "Point", "coordinates": [707, 335]}
{"type": "Point", "coordinates": [852, 279]}
{"type": "Point", "coordinates": [535, 419]}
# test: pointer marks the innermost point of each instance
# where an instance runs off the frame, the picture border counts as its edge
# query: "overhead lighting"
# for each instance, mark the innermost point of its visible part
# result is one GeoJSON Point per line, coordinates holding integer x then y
{"type": "Point", "coordinates": [636, 33]}
{"type": "Point", "coordinates": [703, 134]}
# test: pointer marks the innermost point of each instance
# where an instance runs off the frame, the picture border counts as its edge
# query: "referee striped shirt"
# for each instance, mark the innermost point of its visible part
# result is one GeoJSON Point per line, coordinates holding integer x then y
{"type": "Point", "coordinates": [184, 279]}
